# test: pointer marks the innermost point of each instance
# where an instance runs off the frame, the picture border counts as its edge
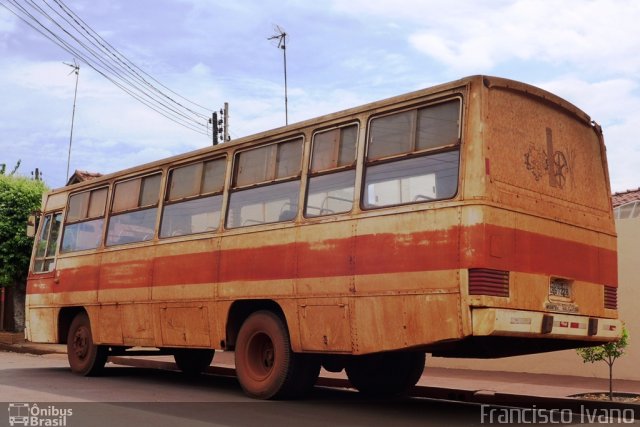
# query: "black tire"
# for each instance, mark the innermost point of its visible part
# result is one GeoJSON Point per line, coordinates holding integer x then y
{"type": "Point", "coordinates": [85, 358]}
{"type": "Point", "coordinates": [193, 361]}
{"type": "Point", "coordinates": [266, 366]}
{"type": "Point", "coordinates": [386, 374]}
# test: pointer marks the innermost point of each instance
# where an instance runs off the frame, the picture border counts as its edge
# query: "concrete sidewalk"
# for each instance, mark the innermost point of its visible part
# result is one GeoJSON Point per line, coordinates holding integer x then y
{"type": "Point", "coordinates": [465, 380]}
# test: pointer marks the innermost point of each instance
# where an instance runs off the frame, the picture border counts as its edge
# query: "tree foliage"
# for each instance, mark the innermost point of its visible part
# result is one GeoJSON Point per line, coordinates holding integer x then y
{"type": "Point", "coordinates": [19, 197]}
{"type": "Point", "coordinates": [607, 353]}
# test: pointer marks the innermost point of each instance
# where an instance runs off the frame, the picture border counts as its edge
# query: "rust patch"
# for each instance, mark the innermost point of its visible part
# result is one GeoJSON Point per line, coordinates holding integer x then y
{"type": "Point", "coordinates": [550, 162]}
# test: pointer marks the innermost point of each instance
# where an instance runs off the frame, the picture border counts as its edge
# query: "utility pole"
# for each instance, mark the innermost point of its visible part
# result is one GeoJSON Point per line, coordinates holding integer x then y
{"type": "Point", "coordinates": [76, 70]}
{"type": "Point", "coordinates": [220, 126]}
{"type": "Point", "coordinates": [37, 175]}
{"type": "Point", "coordinates": [214, 128]}
{"type": "Point", "coordinates": [281, 36]}
{"type": "Point", "coordinates": [225, 121]}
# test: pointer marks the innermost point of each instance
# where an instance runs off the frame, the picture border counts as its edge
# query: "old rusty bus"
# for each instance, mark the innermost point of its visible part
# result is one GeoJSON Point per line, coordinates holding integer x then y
{"type": "Point", "coordinates": [470, 219]}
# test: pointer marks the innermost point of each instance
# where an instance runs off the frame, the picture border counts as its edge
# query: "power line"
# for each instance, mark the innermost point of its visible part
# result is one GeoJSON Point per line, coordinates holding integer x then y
{"type": "Point", "coordinates": [75, 36]}
{"type": "Point", "coordinates": [119, 55]}
{"type": "Point", "coordinates": [106, 68]}
{"type": "Point", "coordinates": [77, 53]}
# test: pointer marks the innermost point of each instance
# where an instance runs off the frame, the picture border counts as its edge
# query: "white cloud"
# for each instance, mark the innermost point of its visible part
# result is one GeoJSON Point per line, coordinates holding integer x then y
{"type": "Point", "coordinates": [596, 35]}
{"type": "Point", "coordinates": [608, 101]}
{"type": "Point", "coordinates": [7, 21]}
{"type": "Point", "coordinates": [623, 153]}
{"type": "Point", "coordinates": [468, 56]}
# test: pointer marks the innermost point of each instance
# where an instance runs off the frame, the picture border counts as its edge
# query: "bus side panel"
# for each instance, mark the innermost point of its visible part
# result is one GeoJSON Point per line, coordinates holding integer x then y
{"type": "Point", "coordinates": [405, 321]}
{"type": "Point", "coordinates": [259, 265]}
{"type": "Point", "coordinates": [184, 281]}
{"type": "Point", "coordinates": [407, 280]}
{"type": "Point", "coordinates": [41, 322]}
{"type": "Point", "coordinates": [125, 284]}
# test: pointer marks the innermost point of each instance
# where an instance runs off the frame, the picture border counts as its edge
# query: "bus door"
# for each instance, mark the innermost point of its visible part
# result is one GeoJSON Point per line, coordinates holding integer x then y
{"type": "Point", "coordinates": [43, 280]}
{"type": "Point", "coordinates": [43, 275]}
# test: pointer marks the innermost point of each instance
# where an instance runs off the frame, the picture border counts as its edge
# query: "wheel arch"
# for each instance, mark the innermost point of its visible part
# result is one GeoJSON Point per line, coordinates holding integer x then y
{"type": "Point", "coordinates": [65, 317]}
{"type": "Point", "coordinates": [240, 310]}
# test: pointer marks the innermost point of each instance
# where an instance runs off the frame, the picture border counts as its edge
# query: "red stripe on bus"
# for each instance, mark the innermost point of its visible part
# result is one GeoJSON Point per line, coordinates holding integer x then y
{"type": "Point", "coordinates": [483, 246]}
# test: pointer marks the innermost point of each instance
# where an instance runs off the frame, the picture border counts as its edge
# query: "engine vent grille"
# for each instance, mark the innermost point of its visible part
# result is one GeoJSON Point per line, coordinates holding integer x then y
{"type": "Point", "coordinates": [485, 281]}
{"type": "Point", "coordinates": [611, 297]}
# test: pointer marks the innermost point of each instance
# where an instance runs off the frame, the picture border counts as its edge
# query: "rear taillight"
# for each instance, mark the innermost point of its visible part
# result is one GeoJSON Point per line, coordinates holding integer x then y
{"type": "Point", "coordinates": [485, 281]}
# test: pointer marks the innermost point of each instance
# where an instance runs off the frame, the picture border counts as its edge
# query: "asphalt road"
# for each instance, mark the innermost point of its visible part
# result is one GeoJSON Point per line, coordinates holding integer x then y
{"type": "Point", "coordinates": [125, 396]}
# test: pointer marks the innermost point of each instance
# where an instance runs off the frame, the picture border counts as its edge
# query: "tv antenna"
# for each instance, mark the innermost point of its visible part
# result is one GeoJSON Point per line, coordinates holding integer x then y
{"type": "Point", "coordinates": [76, 70]}
{"type": "Point", "coordinates": [281, 36]}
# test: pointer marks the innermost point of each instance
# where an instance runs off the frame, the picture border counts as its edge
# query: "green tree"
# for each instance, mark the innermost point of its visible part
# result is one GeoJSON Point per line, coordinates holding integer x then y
{"type": "Point", "coordinates": [19, 197]}
{"type": "Point", "coordinates": [608, 353]}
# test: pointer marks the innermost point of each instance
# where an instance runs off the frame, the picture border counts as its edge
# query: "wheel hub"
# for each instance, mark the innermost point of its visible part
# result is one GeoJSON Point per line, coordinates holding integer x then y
{"type": "Point", "coordinates": [261, 356]}
{"type": "Point", "coordinates": [80, 341]}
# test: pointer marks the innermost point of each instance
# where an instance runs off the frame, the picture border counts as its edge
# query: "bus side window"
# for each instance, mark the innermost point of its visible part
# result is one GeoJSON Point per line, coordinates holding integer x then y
{"type": "Point", "coordinates": [47, 241]}
{"type": "Point", "coordinates": [85, 220]}
{"type": "Point", "coordinates": [266, 184]}
{"type": "Point", "coordinates": [413, 156]}
{"type": "Point", "coordinates": [194, 199]}
{"type": "Point", "coordinates": [134, 210]}
{"type": "Point", "coordinates": [332, 172]}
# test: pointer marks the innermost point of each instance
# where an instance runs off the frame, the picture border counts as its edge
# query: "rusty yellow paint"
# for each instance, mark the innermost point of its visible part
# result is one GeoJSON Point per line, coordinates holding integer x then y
{"type": "Point", "coordinates": [531, 168]}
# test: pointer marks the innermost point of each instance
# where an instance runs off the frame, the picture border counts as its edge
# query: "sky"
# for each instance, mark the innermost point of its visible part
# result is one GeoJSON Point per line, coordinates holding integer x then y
{"type": "Point", "coordinates": [340, 54]}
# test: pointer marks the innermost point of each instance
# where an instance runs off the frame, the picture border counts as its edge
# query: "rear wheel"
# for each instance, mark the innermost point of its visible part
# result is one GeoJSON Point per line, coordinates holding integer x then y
{"type": "Point", "coordinates": [85, 358]}
{"type": "Point", "coordinates": [193, 361]}
{"type": "Point", "coordinates": [266, 366]}
{"type": "Point", "coordinates": [386, 374]}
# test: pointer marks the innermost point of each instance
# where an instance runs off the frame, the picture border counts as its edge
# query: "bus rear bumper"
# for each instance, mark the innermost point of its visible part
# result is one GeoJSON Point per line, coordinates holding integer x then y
{"type": "Point", "coordinates": [506, 322]}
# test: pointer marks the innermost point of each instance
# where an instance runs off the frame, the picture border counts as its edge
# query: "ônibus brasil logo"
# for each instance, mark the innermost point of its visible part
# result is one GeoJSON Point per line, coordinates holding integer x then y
{"type": "Point", "coordinates": [30, 414]}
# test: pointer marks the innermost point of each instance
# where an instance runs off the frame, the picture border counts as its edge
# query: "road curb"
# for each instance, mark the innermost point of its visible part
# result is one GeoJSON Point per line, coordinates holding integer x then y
{"type": "Point", "coordinates": [32, 349]}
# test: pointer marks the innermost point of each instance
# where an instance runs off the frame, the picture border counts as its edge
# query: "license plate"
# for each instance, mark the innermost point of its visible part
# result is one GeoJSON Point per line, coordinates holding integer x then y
{"type": "Point", "coordinates": [560, 288]}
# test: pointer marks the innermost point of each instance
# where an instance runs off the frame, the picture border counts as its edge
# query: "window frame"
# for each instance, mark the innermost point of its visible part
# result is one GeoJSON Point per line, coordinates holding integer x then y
{"type": "Point", "coordinates": [457, 146]}
{"type": "Point", "coordinates": [111, 214]}
{"type": "Point", "coordinates": [56, 252]}
{"type": "Point", "coordinates": [352, 165]}
{"type": "Point", "coordinates": [234, 188]}
{"type": "Point", "coordinates": [85, 219]}
{"type": "Point", "coordinates": [220, 193]}
{"type": "Point", "coordinates": [236, 156]}
{"type": "Point", "coordinates": [633, 213]}
{"type": "Point", "coordinates": [330, 171]}
{"type": "Point", "coordinates": [139, 206]}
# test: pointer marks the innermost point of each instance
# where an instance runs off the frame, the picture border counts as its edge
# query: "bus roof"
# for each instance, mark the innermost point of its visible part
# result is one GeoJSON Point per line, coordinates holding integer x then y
{"type": "Point", "coordinates": [290, 130]}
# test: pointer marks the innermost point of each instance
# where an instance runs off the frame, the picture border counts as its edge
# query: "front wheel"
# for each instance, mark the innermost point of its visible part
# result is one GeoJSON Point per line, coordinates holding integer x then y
{"type": "Point", "coordinates": [266, 366]}
{"type": "Point", "coordinates": [385, 374]}
{"type": "Point", "coordinates": [85, 357]}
